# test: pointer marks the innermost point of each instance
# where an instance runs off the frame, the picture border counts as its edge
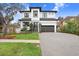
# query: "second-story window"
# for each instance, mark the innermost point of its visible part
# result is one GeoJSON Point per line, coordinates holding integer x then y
{"type": "Point", "coordinates": [44, 15]}
{"type": "Point", "coordinates": [35, 13]}
{"type": "Point", "coordinates": [26, 14]}
{"type": "Point", "coordinates": [51, 13]}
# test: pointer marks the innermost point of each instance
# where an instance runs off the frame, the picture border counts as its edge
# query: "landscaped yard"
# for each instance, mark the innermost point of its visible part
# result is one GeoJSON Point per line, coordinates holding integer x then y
{"type": "Point", "coordinates": [19, 49]}
{"type": "Point", "coordinates": [33, 36]}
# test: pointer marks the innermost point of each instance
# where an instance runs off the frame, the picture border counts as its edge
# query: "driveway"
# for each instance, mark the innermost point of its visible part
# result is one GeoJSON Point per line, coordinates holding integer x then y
{"type": "Point", "coordinates": [59, 44]}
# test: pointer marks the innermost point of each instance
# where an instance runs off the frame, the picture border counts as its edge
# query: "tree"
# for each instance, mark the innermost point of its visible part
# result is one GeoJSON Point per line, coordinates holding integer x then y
{"type": "Point", "coordinates": [7, 11]}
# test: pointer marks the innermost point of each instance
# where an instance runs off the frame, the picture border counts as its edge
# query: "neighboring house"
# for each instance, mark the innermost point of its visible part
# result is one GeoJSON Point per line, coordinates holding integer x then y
{"type": "Point", "coordinates": [42, 21]}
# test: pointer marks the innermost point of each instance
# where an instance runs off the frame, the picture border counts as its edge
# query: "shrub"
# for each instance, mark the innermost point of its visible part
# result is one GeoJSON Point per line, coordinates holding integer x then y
{"type": "Point", "coordinates": [24, 30]}
{"type": "Point", "coordinates": [72, 26]}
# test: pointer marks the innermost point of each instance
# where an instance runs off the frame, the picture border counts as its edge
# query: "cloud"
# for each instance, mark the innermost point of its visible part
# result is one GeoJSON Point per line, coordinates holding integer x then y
{"type": "Point", "coordinates": [58, 6]}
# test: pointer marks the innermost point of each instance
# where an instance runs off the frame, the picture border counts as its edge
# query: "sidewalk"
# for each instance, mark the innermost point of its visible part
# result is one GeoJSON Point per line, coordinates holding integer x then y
{"type": "Point", "coordinates": [14, 40]}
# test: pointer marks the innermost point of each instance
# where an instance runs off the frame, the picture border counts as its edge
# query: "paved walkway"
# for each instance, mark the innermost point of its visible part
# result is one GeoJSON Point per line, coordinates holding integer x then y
{"type": "Point", "coordinates": [59, 44]}
{"type": "Point", "coordinates": [14, 40]}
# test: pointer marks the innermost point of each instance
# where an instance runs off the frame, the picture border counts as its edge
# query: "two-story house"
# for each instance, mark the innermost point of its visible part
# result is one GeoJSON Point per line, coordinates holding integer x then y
{"type": "Point", "coordinates": [43, 21]}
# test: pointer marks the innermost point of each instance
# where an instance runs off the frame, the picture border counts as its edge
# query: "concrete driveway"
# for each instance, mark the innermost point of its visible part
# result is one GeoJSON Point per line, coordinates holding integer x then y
{"type": "Point", "coordinates": [59, 44]}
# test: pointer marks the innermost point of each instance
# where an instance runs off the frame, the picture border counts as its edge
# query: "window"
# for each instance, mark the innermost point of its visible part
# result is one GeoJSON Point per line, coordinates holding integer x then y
{"type": "Point", "coordinates": [25, 23]}
{"type": "Point", "coordinates": [50, 13]}
{"type": "Point", "coordinates": [26, 14]}
{"type": "Point", "coordinates": [35, 13]}
{"type": "Point", "coordinates": [44, 15]}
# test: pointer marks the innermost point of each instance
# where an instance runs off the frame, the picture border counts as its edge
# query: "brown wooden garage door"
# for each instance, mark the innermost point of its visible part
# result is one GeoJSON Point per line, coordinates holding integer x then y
{"type": "Point", "coordinates": [47, 28]}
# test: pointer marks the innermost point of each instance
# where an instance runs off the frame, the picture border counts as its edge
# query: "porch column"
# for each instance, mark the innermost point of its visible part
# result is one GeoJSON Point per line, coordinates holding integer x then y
{"type": "Point", "coordinates": [38, 27]}
{"type": "Point", "coordinates": [54, 28]}
{"type": "Point", "coordinates": [21, 24]}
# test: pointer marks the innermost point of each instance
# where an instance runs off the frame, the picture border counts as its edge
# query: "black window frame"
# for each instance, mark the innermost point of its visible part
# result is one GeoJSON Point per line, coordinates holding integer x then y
{"type": "Point", "coordinates": [44, 15]}
{"type": "Point", "coordinates": [35, 13]}
{"type": "Point", "coordinates": [27, 15]}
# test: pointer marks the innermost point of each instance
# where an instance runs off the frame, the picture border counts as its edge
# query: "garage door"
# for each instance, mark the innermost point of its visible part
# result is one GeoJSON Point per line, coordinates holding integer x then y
{"type": "Point", "coordinates": [47, 28]}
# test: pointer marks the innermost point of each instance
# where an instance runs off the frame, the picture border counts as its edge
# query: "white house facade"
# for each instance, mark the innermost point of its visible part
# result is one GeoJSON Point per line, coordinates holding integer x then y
{"type": "Point", "coordinates": [43, 21]}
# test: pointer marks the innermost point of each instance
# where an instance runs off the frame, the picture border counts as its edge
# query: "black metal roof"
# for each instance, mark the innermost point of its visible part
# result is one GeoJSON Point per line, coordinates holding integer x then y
{"type": "Point", "coordinates": [25, 19]}
{"type": "Point", "coordinates": [41, 19]}
{"type": "Point", "coordinates": [38, 8]}
{"type": "Point", "coordinates": [48, 19]}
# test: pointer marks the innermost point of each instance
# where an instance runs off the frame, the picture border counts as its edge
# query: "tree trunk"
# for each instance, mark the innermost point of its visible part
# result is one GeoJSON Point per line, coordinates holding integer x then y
{"type": "Point", "coordinates": [5, 29]}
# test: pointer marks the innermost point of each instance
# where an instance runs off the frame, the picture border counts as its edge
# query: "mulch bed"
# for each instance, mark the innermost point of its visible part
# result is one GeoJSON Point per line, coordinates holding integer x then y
{"type": "Point", "coordinates": [7, 36]}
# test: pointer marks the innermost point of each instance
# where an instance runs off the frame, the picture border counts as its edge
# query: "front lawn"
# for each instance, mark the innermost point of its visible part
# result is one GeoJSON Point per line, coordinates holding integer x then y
{"type": "Point", "coordinates": [19, 49]}
{"type": "Point", "coordinates": [33, 36]}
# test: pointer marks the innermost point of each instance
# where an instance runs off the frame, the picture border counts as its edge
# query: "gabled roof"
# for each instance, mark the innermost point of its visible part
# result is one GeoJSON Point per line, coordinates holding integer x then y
{"type": "Point", "coordinates": [39, 9]}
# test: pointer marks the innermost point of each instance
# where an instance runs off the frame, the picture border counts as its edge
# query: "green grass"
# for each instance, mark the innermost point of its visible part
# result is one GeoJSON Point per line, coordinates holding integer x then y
{"type": "Point", "coordinates": [19, 49]}
{"type": "Point", "coordinates": [33, 36]}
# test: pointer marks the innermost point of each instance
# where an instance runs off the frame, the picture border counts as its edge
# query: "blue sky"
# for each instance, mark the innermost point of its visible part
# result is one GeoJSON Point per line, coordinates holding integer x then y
{"type": "Point", "coordinates": [64, 9]}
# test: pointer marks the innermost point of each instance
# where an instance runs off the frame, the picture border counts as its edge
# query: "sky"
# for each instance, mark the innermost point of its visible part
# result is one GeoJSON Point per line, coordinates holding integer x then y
{"type": "Point", "coordinates": [64, 9]}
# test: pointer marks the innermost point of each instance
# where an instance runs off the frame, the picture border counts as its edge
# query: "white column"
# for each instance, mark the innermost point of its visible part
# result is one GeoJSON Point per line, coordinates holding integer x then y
{"type": "Point", "coordinates": [21, 24]}
{"type": "Point", "coordinates": [54, 28]}
{"type": "Point", "coordinates": [38, 27]}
